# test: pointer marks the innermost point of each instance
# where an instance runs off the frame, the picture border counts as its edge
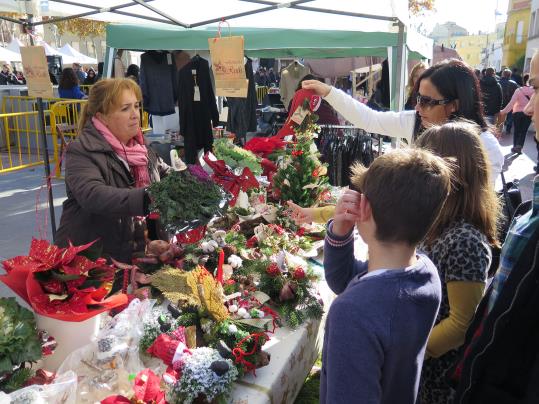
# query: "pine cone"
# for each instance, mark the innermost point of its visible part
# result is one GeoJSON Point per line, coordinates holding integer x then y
{"type": "Point", "coordinates": [229, 250]}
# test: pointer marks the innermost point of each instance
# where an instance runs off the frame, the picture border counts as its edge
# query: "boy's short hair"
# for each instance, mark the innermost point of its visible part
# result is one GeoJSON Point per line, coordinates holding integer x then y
{"type": "Point", "coordinates": [406, 190]}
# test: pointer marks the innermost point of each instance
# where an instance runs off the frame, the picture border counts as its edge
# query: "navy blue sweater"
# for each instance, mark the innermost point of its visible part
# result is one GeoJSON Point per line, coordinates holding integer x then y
{"type": "Point", "coordinates": [377, 328]}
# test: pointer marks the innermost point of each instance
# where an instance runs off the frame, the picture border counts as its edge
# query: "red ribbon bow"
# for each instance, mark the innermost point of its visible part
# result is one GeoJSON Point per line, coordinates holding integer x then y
{"type": "Point", "coordinates": [229, 181]}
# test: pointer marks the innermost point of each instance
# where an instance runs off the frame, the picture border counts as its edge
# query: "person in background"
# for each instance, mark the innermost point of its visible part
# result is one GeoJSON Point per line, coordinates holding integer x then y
{"type": "Point", "coordinates": [459, 245]}
{"type": "Point", "coordinates": [521, 97]}
{"type": "Point", "coordinates": [260, 77]}
{"type": "Point", "coordinates": [272, 79]}
{"type": "Point", "coordinates": [492, 95]}
{"type": "Point", "coordinates": [108, 169]}
{"type": "Point", "coordinates": [446, 91]}
{"type": "Point", "coordinates": [377, 327]}
{"type": "Point", "coordinates": [516, 77]}
{"type": "Point", "coordinates": [411, 95]}
{"type": "Point", "coordinates": [100, 67]}
{"type": "Point", "coordinates": [79, 72]}
{"type": "Point", "coordinates": [7, 77]}
{"type": "Point", "coordinates": [91, 77]}
{"type": "Point", "coordinates": [69, 85]}
{"type": "Point", "coordinates": [132, 72]}
{"type": "Point", "coordinates": [20, 76]}
{"type": "Point", "coordinates": [499, 361]}
{"type": "Point", "coordinates": [508, 89]}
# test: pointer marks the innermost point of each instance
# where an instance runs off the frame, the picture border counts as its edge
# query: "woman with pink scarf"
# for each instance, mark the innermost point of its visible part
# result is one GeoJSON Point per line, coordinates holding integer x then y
{"type": "Point", "coordinates": [108, 168]}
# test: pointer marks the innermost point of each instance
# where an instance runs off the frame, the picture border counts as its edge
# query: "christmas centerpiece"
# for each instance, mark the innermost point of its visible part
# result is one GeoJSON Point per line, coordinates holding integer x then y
{"type": "Point", "coordinates": [301, 177]}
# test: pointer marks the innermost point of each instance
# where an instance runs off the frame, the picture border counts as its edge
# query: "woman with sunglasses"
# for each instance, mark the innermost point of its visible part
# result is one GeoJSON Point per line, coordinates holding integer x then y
{"type": "Point", "coordinates": [446, 91]}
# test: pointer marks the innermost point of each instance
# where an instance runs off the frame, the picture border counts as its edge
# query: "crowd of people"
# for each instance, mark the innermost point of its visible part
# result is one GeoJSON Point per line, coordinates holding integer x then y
{"type": "Point", "coordinates": [429, 214]}
{"type": "Point", "coordinates": [430, 217]}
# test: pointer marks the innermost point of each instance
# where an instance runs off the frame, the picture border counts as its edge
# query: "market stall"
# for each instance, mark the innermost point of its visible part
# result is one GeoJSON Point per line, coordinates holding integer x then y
{"type": "Point", "coordinates": [233, 295]}
{"type": "Point", "coordinates": [236, 306]}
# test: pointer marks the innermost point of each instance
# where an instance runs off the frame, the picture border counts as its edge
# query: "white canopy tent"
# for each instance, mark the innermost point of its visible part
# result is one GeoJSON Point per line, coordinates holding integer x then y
{"type": "Point", "coordinates": [9, 56]}
{"type": "Point", "coordinates": [381, 16]}
{"type": "Point", "coordinates": [15, 45]}
{"type": "Point", "coordinates": [70, 55]}
{"type": "Point", "coordinates": [49, 50]}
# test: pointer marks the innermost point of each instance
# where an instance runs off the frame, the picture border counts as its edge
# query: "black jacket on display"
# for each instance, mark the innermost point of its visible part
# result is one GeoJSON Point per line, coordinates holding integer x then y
{"type": "Point", "coordinates": [508, 88]}
{"type": "Point", "coordinates": [492, 95]}
{"type": "Point", "coordinates": [158, 82]}
{"type": "Point", "coordinates": [500, 357]}
{"type": "Point", "coordinates": [197, 110]}
{"type": "Point", "coordinates": [242, 111]}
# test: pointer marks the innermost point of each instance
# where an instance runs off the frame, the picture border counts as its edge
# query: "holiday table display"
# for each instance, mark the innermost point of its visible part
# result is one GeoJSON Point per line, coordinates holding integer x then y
{"type": "Point", "coordinates": [216, 312]}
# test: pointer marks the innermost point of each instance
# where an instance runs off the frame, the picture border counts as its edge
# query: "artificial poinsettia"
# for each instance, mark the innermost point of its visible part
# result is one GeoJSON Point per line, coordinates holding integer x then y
{"type": "Point", "coordinates": [61, 282]}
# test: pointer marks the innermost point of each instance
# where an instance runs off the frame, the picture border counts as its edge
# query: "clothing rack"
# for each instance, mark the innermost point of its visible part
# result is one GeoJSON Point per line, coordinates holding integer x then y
{"type": "Point", "coordinates": [342, 146]}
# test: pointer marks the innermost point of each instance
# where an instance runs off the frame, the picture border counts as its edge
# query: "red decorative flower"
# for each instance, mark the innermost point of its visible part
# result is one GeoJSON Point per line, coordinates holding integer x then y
{"type": "Point", "coordinates": [251, 243]}
{"type": "Point", "coordinates": [316, 172]}
{"type": "Point", "coordinates": [230, 282]}
{"type": "Point", "coordinates": [300, 232]}
{"type": "Point", "coordinates": [273, 270]}
{"type": "Point", "coordinates": [297, 153]}
{"type": "Point", "coordinates": [299, 273]}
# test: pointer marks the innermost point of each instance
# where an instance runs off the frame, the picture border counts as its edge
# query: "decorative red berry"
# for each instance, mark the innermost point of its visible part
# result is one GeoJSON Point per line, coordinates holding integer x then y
{"type": "Point", "coordinates": [299, 273]}
{"type": "Point", "coordinates": [273, 270]}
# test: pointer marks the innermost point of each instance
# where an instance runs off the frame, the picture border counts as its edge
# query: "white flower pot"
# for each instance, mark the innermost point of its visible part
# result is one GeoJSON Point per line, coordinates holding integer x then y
{"type": "Point", "coordinates": [69, 336]}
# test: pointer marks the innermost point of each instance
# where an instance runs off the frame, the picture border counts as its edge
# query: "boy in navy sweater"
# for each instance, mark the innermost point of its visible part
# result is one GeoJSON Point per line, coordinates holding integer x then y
{"type": "Point", "coordinates": [377, 328]}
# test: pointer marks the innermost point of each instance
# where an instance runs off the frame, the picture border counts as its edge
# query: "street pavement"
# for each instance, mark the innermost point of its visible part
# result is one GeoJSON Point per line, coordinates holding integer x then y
{"type": "Point", "coordinates": [20, 191]}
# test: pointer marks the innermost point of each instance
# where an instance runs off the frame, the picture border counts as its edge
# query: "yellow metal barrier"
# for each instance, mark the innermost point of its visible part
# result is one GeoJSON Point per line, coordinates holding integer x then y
{"type": "Point", "coordinates": [261, 92]}
{"type": "Point", "coordinates": [64, 123]}
{"type": "Point", "coordinates": [20, 143]}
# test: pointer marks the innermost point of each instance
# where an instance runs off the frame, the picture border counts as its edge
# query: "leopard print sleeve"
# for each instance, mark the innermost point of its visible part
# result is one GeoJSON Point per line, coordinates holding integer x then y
{"type": "Point", "coordinates": [468, 254]}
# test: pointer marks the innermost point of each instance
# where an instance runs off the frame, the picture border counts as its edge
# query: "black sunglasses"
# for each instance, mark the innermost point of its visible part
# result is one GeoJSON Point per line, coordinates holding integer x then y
{"type": "Point", "coordinates": [424, 101]}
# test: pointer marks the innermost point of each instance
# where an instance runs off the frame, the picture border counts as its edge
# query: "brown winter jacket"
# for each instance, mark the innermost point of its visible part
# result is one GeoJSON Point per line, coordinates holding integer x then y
{"type": "Point", "coordinates": [101, 197]}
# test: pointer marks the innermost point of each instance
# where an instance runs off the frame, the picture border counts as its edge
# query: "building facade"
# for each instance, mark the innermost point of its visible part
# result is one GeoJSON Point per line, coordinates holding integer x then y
{"type": "Point", "coordinates": [471, 48]}
{"type": "Point", "coordinates": [516, 33]}
{"type": "Point", "coordinates": [533, 34]}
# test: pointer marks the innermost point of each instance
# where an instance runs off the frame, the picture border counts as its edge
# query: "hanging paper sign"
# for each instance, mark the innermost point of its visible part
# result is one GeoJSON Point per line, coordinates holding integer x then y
{"type": "Point", "coordinates": [36, 71]}
{"type": "Point", "coordinates": [228, 66]}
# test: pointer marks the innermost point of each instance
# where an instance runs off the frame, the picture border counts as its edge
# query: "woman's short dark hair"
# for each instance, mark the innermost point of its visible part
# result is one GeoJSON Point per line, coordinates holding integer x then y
{"type": "Point", "coordinates": [132, 70]}
{"type": "Point", "coordinates": [455, 80]}
{"type": "Point", "coordinates": [68, 79]}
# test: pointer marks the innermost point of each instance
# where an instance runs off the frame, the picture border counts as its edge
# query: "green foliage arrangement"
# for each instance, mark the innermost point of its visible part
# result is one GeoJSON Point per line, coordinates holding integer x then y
{"type": "Point", "coordinates": [234, 156]}
{"type": "Point", "coordinates": [301, 304]}
{"type": "Point", "coordinates": [19, 342]}
{"type": "Point", "coordinates": [182, 198]}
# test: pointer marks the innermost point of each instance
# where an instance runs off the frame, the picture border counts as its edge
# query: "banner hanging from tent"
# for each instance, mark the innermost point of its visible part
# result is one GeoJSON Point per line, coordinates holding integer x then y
{"type": "Point", "coordinates": [228, 66]}
{"type": "Point", "coordinates": [36, 71]}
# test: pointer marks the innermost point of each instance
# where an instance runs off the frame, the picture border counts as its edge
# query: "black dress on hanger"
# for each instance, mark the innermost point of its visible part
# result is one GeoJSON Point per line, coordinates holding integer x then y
{"type": "Point", "coordinates": [242, 111]}
{"type": "Point", "coordinates": [198, 107]}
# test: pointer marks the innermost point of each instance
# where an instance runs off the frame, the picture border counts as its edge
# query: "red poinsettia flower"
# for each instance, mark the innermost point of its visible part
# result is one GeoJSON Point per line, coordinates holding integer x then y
{"type": "Point", "coordinates": [299, 273]}
{"type": "Point", "coordinates": [297, 153]}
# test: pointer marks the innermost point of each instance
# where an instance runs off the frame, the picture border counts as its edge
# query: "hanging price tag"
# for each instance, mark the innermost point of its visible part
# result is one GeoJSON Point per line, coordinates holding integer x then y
{"type": "Point", "coordinates": [299, 115]}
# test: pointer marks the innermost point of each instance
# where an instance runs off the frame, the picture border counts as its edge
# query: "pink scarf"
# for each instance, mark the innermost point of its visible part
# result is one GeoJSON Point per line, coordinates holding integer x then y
{"type": "Point", "coordinates": [134, 153]}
